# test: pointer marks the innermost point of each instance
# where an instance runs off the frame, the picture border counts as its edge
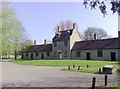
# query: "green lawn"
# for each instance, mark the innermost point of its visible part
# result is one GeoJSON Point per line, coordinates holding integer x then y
{"type": "Point", "coordinates": [84, 69]}
{"type": "Point", "coordinates": [63, 63]}
{"type": "Point", "coordinates": [113, 87]}
{"type": "Point", "coordinates": [94, 65]}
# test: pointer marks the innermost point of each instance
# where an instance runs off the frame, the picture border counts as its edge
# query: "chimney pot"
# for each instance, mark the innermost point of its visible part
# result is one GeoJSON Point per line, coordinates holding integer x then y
{"type": "Point", "coordinates": [118, 34]}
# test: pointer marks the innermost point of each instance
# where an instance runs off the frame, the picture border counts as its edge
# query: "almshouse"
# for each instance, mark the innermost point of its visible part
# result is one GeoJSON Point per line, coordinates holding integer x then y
{"type": "Point", "coordinates": [68, 45]}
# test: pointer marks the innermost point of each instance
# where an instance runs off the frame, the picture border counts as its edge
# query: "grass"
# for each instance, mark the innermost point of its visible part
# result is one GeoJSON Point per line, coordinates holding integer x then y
{"type": "Point", "coordinates": [117, 86]}
{"type": "Point", "coordinates": [111, 88]}
{"type": "Point", "coordinates": [63, 63]}
{"type": "Point", "coordinates": [94, 64]}
{"type": "Point", "coordinates": [84, 69]}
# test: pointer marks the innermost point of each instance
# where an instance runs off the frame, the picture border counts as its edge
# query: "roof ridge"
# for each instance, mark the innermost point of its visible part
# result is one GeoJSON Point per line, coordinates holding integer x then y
{"type": "Point", "coordinates": [97, 40]}
{"type": "Point", "coordinates": [66, 30]}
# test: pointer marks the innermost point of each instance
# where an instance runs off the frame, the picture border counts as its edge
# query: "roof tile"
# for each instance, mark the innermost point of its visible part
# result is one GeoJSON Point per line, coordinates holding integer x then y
{"type": "Point", "coordinates": [112, 43]}
{"type": "Point", "coordinates": [40, 48]}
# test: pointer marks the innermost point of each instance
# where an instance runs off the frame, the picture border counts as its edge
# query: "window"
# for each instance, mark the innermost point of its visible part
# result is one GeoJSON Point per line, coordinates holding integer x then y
{"type": "Point", "coordinates": [55, 53]}
{"type": "Point", "coordinates": [99, 53]}
{"type": "Point", "coordinates": [48, 54]}
{"type": "Point", "coordinates": [55, 44]}
{"type": "Point", "coordinates": [36, 54]}
{"type": "Point", "coordinates": [78, 53]}
{"type": "Point", "coordinates": [65, 43]}
{"type": "Point", "coordinates": [27, 54]}
{"type": "Point", "coordinates": [65, 53]}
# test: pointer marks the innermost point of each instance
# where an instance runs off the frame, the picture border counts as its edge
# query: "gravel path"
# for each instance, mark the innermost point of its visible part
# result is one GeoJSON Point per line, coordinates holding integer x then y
{"type": "Point", "coordinates": [14, 75]}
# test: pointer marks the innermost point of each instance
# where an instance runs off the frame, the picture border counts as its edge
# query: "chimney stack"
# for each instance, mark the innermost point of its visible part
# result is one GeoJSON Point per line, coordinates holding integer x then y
{"type": "Point", "coordinates": [74, 26]}
{"type": "Point", "coordinates": [58, 28]}
{"type": "Point", "coordinates": [118, 34]}
{"type": "Point", "coordinates": [94, 36]}
{"type": "Point", "coordinates": [34, 42]}
{"type": "Point", "coordinates": [45, 42]}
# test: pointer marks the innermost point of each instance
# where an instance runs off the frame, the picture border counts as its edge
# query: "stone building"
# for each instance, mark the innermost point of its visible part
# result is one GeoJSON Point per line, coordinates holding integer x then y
{"type": "Point", "coordinates": [68, 45]}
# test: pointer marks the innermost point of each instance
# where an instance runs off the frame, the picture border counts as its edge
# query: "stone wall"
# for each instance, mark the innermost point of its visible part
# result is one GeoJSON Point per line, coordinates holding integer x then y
{"type": "Point", "coordinates": [39, 56]}
{"type": "Point", "coordinates": [93, 54]}
{"type": "Point", "coordinates": [74, 37]}
{"type": "Point", "coordinates": [61, 47]}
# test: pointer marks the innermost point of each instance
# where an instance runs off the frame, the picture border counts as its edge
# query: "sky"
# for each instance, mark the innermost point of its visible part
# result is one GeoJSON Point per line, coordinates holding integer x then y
{"type": "Point", "coordinates": [41, 18]}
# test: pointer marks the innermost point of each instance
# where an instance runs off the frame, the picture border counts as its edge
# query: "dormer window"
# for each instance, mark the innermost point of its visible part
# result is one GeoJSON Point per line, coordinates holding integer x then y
{"type": "Point", "coordinates": [58, 34]}
{"type": "Point", "coordinates": [65, 43]}
{"type": "Point", "coordinates": [68, 31]}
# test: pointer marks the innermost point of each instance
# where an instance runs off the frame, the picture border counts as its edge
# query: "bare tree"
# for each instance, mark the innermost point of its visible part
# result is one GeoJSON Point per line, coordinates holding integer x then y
{"type": "Point", "coordinates": [65, 25]}
{"type": "Point", "coordinates": [94, 33]}
{"type": "Point", "coordinates": [68, 24]}
{"type": "Point", "coordinates": [101, 4]}
{"type": "Point", "coordinates": [81, 36]}
{"type": "Point", "coordinates": [76, 25]}
{"type": "Point", "coordinates": [62, 26]}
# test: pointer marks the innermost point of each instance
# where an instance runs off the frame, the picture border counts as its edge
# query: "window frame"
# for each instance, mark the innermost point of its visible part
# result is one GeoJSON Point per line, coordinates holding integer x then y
{"type": "Point", "coordinates": [55, 44]}
{"type": "Point", "coordinates": [48, 54]}
{"type": "Point", "coordinates": [26, 53]}
{"type": "Point", "coordinates": [99, 53]}
{"type": "Point", "coordinates": [65, 43]}
{"type": "Point", "coordinates": [36, 53]}
{"type": "Point", "coordinates": [78, 53]}
{"type": "Point", "coordinates": [65, 53]}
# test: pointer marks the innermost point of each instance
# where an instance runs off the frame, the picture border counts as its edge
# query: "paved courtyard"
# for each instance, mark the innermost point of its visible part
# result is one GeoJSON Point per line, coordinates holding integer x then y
{"type": "Point", "coordinates": [15, 75]}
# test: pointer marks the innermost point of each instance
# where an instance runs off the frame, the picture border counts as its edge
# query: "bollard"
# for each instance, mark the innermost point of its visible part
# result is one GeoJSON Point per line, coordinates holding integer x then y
{"type": "Point", "coordinates": [87, 66]}
{"type": "Point", "coordinates": [106, 80]}
{"type": "Point", "coordinates": [68, 67]}
{"type": "Point", "coordinates": [93, 83]}
{"type": "Point", "coordinates": [100, 70]}
{"type": "Point", "coordinates": [73, 66]}
{"type": "Point", "coordinates": [78, 67]}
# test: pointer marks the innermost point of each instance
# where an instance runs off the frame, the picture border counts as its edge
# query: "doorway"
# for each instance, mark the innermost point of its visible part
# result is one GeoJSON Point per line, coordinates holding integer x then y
{"type": "Point", "coordinates": [88, 56]}
{"type": "Point", "coordinates": [59, 53]}
{"type": "Point", "coordinates": [113, 56]}
{"type": "Point", "coordinates": [42, 56]}
{"type": "Point", "coordinates": [31, 56]}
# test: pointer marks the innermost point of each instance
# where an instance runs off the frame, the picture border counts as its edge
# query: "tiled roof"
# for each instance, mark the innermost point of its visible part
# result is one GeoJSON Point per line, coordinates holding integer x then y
{"type": "Point", "coordinates": [40, 48]}
{"type": "Point", "coordinates": [113, 43]}
{"type": "Point", "coordinates": [63, 35]}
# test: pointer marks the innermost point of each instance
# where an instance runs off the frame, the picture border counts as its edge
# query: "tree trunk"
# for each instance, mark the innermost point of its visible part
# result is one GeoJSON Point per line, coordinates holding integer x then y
{"type": "Point", "coordinates": [15, 55]}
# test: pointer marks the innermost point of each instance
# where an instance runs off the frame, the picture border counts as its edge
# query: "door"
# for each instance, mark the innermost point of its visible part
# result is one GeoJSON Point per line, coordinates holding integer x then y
{"type": "Point", "coordinates": [60, 55]}
{"type": "Point", "coordinates": [42, 56]}
{"type": "Point", "coordinates": [88, 56]}
{"type": "Point", "coordinates": [31, 56]}
{"type": "Point", "coordinates": [113, 56]}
